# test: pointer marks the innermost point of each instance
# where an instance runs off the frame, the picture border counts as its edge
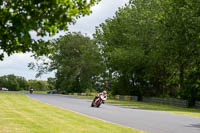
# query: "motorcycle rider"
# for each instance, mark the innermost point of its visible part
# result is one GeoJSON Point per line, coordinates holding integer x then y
{"type": "Point", "coordinates": [103, 94]}
{"type": "Point", "coordinates": [31, 90]}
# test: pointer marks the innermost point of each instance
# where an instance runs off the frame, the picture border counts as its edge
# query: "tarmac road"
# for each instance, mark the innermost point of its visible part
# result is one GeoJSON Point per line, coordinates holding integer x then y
{"type": "Point", "coordinates": [146, 120]}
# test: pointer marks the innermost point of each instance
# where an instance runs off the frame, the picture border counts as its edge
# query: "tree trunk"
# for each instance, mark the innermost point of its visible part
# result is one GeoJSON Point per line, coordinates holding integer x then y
{"type": "Point", "coordinates": [181, 76]}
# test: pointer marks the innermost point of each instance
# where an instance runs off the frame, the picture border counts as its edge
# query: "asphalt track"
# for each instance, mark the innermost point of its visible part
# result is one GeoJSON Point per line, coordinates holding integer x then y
{"type": "Point", "coordinates": [150, 121]}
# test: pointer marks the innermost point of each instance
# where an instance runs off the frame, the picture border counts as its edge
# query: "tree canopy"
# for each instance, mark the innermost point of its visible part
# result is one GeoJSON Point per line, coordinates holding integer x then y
{"type": "Point", "coordinates": [149, 48]}
{"type": "Point", "coordinates": [18, 83]}
{"type": "Point", "coordinates": [18, 18]}
{"type": "Point", "coordinates": [153, 46]}
{"type": "Point", "coordinates": [77, 62]}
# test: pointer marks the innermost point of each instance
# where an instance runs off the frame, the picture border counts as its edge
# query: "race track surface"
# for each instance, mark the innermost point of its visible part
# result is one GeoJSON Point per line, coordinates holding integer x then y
{"type": "Point", "coordinates": [146, 120]}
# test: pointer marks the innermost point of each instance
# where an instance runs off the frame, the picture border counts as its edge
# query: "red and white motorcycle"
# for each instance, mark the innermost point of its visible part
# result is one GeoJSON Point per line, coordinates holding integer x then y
{"type": "Point", "coordinates": [31, 90]}
{"type": "Point", "coordinates": [98, 100]}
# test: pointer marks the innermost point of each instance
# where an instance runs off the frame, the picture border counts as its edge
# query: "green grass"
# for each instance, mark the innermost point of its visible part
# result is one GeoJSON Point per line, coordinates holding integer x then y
{"type": "Point", "coordinates": [158, 107]}
{"type": "Point", "coordinates": [21, 114]}
{"type": "Point", "coordinates": [153, 106]}
{"type": "Point", "coordinates": [36, 92]}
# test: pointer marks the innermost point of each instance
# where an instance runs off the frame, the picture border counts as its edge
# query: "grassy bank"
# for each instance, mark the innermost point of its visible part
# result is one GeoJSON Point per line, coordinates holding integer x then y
{"type": "Point", "coordinates": [159, 107]}
{"type": "Point", "coordinates": [21, 114]}
{"type": "Point", "coordinates": [36, 92]}
{"type": "Point", "coordinates": [153, 106]}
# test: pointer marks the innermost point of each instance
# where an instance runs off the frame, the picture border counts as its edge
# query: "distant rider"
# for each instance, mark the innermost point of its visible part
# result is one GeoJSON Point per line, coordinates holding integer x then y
{"type": "Point", "coordinates": [31, 90]}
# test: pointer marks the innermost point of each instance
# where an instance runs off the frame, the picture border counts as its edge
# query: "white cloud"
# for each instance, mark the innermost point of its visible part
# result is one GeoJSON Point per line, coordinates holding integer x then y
{"type": "Point", "coordinates": [17, 63]}
{"type": "Point", "coordinates": [105, 9]}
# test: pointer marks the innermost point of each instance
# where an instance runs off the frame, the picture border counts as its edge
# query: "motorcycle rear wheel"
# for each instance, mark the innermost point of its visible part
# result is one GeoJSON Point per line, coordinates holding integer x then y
{"type": "Point", "coordinates": [98, 104]}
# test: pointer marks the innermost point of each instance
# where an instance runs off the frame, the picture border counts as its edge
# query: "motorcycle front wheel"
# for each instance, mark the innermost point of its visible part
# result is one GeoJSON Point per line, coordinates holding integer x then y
{"type": "Point", "coordinates": [92, 105]}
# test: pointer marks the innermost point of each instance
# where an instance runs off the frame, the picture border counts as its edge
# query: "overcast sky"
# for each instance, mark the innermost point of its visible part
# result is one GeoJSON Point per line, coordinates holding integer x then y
{"type": "Point", "coordinates": [17, 63]}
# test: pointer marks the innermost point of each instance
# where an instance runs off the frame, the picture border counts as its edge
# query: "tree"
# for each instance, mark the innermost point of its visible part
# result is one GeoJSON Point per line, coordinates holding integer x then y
{"type": "Point", "coordinates": [77, 61]}
{"type": "Point", "coordinates": [51, 83]}
{"type": "Point", "coordinates": [38, 85]}
{"type": "Point", "coordinates": [23, 84]}
{"type": "Point", "coordinates": [151, 46]}
{"type": "Point", "coordinates": [191, 88]}
{"type": "Point", "coordinates": [17, 83]}
{"type": "Point", "coordinates": [128, 40]}
{"type": "Point", "coordinates": [10, 82]}
{"type": "Point", "coordinates": [18, 18]}
{"type": "Point", "coordinates": [181, 34]}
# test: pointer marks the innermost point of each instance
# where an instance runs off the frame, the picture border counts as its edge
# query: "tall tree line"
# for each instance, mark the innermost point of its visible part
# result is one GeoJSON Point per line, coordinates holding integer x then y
{"type": "Point", "coordinates": [149, 48]}
{"type": "Point", "coordinates": [18, 83]}
{"type": "Point", "coordinates": [153, 46]}
{"type": "Point", "coordinates": [77, 62]}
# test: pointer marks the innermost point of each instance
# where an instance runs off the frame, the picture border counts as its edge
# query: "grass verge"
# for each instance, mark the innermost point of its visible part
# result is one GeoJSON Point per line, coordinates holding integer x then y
{"type": "Point", "coordinates": [21, 114]}
{"type": "Point", "coordinates": [158, 107]}
{"type": "Point", "coordinates": [153, 106]}
{"type": "Point", "coordinates": [36, 92]}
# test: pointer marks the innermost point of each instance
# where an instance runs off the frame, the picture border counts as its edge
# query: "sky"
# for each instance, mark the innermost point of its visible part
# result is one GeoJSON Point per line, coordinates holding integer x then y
{"type": "Point", "coordinates": [17, 64]}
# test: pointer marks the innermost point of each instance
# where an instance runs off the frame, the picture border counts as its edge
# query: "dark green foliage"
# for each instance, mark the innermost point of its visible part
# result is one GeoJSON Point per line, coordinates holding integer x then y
{"type": "Point", "coordinates": [191, 89]}
{"type": "Point", "coordinates": [46, 17]}
{"type": "Point", "coordinates": [13, 83]}
{"type": "Point", "coordinates": [149, 48]}
{"type": "Point", "coordinates": [23, 83]}
{"type": "Point", "coordinates": [152, 47]}
{"type": "Point", "coordinates": [127, 44]}
{"type": "Point", "coordinates": [38, 85]}
{"type": "Point", "coordinates": [51, 83]}
{"type": "Point", "coordinates": [77, 61]}
{"type": "Point", "coordinates": [18, 83]}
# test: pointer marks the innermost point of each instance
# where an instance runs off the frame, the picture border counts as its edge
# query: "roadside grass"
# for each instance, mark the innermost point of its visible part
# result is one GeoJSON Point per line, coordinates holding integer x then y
{"type": "Point", "coordinates": [153, 106]}
{"type": "Point", "coordinates": [36, 92]}
{"type": "Point", "coordinates": [21, 114]}
{"type": "Point", "coordinates": [158, 107]}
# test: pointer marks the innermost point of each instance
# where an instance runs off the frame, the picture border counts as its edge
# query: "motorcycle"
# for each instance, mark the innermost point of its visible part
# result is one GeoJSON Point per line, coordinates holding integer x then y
{"type": "Point", "coordinates": [31, 91]}
{"type": "Point", "coordinates": [97, 101]}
